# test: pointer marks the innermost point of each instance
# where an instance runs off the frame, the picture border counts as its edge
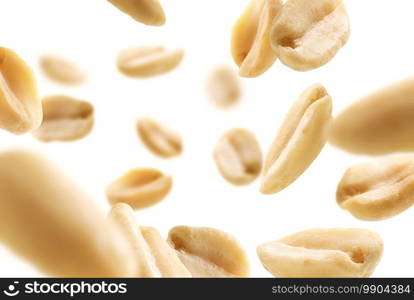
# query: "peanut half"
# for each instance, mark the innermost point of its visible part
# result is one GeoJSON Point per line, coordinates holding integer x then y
{"type": "Point", "coordinates": [50, 222]}
{"type": "Point", "coordinates": [238, 156]}
{"type": "Point", "coordinates": [139, 188]}
{"type": "Point", "coordinates": [148, 61]}
{"type": "Point", "coordinates": [379, 123]}
{"type": "Point", "coordinates": [308, 34]}
{"type": "Point", "coordinates": [223, 87]}
{"type": "Point", "coordinates": [209, 252]}
{"type": "Point", "coordinates": [154, 256]}
{"type": "Point", "coordinates": [65, 119]}
{"type": "Point", "coordinates": [379, 189]}
{"type": "Point", "coordinates": [323, 253]}
{"type": "Point", "coordinates": [61, 70]}
{"type": "Point", "coordinates": [299, 141]}
{"type": "Point", "coordinates": [20, 106]}
{"type": "Point", "coordinates": [148, 12]}
{"type": "Point", "coordinates": [250, 42]}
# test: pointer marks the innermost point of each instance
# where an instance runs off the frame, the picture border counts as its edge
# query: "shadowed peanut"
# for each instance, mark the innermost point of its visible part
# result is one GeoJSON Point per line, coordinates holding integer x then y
{"type": "Point", "coordinates": [323, 253]}
{"type": "Point", "coordinates": [148, 61]}
{"type": "Point", "coordinates": [158, 139]}
{"type": "Point", "coordinates": [308, 34]}
{"type": "Point", "coordinates": [51, 223]}
{"type": "Point", "coordinates": [208, 252]}
{"type": "Point", "coordinates": [139, 188]}
{"type": "Point", "coordinates": [238, 157]}
{"type": "Point", "coordinates": [65, 119]}
{"type": "Point", "coordinates": [61, 70]}
{"type": "Point", "coordinates": [250, 43]}
{"type": "Point", "coordinates": [379, 189]}
{"type": "Point", "coordinates": [155, 258]}
{"type": "Point", "coordinates": [20, 106]}
{"type": "Point", "coordinates": [148, 12]}
{"type": "Point", "coordinates": [379, 123]}
{"type": "Point", "coordinates": [299, 141]}
{"type": "Point", "coordinates": [223, 87]}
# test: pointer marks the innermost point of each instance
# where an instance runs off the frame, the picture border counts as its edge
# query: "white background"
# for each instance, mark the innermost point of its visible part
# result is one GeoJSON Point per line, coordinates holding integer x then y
{"type": "Point", "coordinates": [92, 32]}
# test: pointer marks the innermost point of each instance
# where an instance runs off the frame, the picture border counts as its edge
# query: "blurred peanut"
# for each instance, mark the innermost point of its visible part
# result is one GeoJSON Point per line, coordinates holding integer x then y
{"type": "Point", "coordinates": [223, 87]}
{"type": "Point", "coordinates": [61, 70]}
{"type": "Point", "coordinates": [148, 12]}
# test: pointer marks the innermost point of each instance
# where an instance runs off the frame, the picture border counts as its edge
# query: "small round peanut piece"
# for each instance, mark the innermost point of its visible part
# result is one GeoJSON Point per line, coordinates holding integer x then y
{"type": "Point", "coordinates": [139, 188]}
{"type": "Point", "coordinates": [250, 43]}
{"type": "Point", "coordinates": [323, 253]}
{"type": "Point", "coordinates": [148, 12]}
{"type": "Point", "coordinates": [209, 252]}
{"type": "Point", "coordinates": [308, 34]}
{"type": "Point", "coordinates": [65, 119]}
{"type": "Point", "coordinates": [238, 157]}
{"type": "Point", "coordinates": [299, 141]}
{"type": "Point", "coordinates": [378, 124]}
{"type": "Point", "coordinates": [148, 61]}
{"type": "Point", "coordinates": [61, 70]}
{"type": "Point", "coordinates": [379, 189]}
{"type": "Point", "coordinates": [223, 87]}
{"type": "Point", "coordinates": [20, 106]}
{"type": "Point", "coordinates": [159, 140]}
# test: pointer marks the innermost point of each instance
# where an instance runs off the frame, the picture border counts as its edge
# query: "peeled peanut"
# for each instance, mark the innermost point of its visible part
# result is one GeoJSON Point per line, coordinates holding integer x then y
{"type": "Point", "coordinates": [300, 139]}
{"type": "Point", "coordinates": [20, 106]}
{"type": "Point", "coordinates": [250, 43]}
{"type": "Point", "coordinates": [209, 252]}
{"type": "Point", "coordinates": [223, 87]}
{"type": "Point", "coordinates": [148, 12]}
{"type": "Point", "coordinates": [61, 70]}
{"type": "Point", "coordinates": [323, 253]}
{"type": "Point", "coordinates": [308, 34]}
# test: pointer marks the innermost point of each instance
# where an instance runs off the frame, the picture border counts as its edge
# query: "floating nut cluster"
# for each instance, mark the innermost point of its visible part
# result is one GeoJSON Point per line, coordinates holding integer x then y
{"type": "Point", "coordinates": [61, 70]}
{"type": "Point", "coordinates": [20, 106]}
{"type": "Point", "coordinates": [223, 87]}
{"type": "Point", "coordinates": [378, 124]}
{"type": "Point", "coordinates": [64, 119]}
{"type": "Point", "coordinates": [299, 141]}
{"type": "Point", "coordinates": [49, 221]}
{"type": "Point", "coordinates": [379, 189]}
{"type": "Point", "coordinates": [159, 140]}
{"type": "Point", "coordinates": [139, 188]}
{"type": "Point", "coordinates": [323, 253]}
{"type": "Point", "coordinates": [238, 156]}
{"type": "Point", "coordinates": [250, 41]}
{"type": "Point", "coordinates": [148, 12]}
{"type": "Point", "coordinates": [148, 61]}
{"type": "Point", "coordinates": [209, 252]}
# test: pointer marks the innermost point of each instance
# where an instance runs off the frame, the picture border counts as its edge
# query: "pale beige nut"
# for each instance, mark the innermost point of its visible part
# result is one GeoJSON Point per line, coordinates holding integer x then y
{"type": "Point", "coordinates": [300, 139]}
{"type": "Point", "coordinates": [139, 188]}
{"type": "Point", "coordinates": [323, 253]}
{"type": "Point", "coordinates": [158, 139]}
{"type": "Point", "coordinates": [379, 123]}
{"type": "Point", "coordinates": [148, 61]}
{"type": "Point", "coordinates": [154, 256]}
{"type": "Point", "coordinates": [148, 12]}
{"type": "Point", "coordinates": [51, 223]}
{"type": "Point", "coordinates": [308, 34]}
{"type": "Point", "coordinates": [20, 106]}
{"type": "Point", "coordinates": [61, 70]}
{"type": "Point", "coordinates": [65, 119]}
{"type": "Point", "coordinates": [238, 156]}
{"type": "Point", "coordinates": [223, 87]}
{"type": "Point", "coordinates": [209, 252]}
{"type": "Point", "coordinates": [250, 43]}
{"type": "Point", "coordinates": [379, 189]}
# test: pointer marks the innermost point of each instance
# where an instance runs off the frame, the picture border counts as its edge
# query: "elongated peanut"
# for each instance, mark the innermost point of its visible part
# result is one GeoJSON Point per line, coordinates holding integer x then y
{"type": "Point", "coordinates": [61, 70]}
{"type": "Point", "coordinates": [379, 123]}
{"type": "Point", "coordinates": [223, 86]}
{"type": "Point", "coordinates": [51, 223]}
{"type": "Point", "coordinates": [323, 253]}
{"type": "Point", "coordinates": [308, 34]}
{"type": "Point", "coordinates": [209, 252]}
{"type": "Point", "coordinates": [379, 189]}
{"type": "Point", "coordinates": [238, 156]}
{"type": "Point", "coordinates": [250, 43]}
{"type": "Point", "coordinates": [148, 12]}
{"type": "Point", "coordinates": [20, 106]}
{"type": "Point", "coordinates": [300, 139]}
{"type": "Point", "coordinates": [139, 188]}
